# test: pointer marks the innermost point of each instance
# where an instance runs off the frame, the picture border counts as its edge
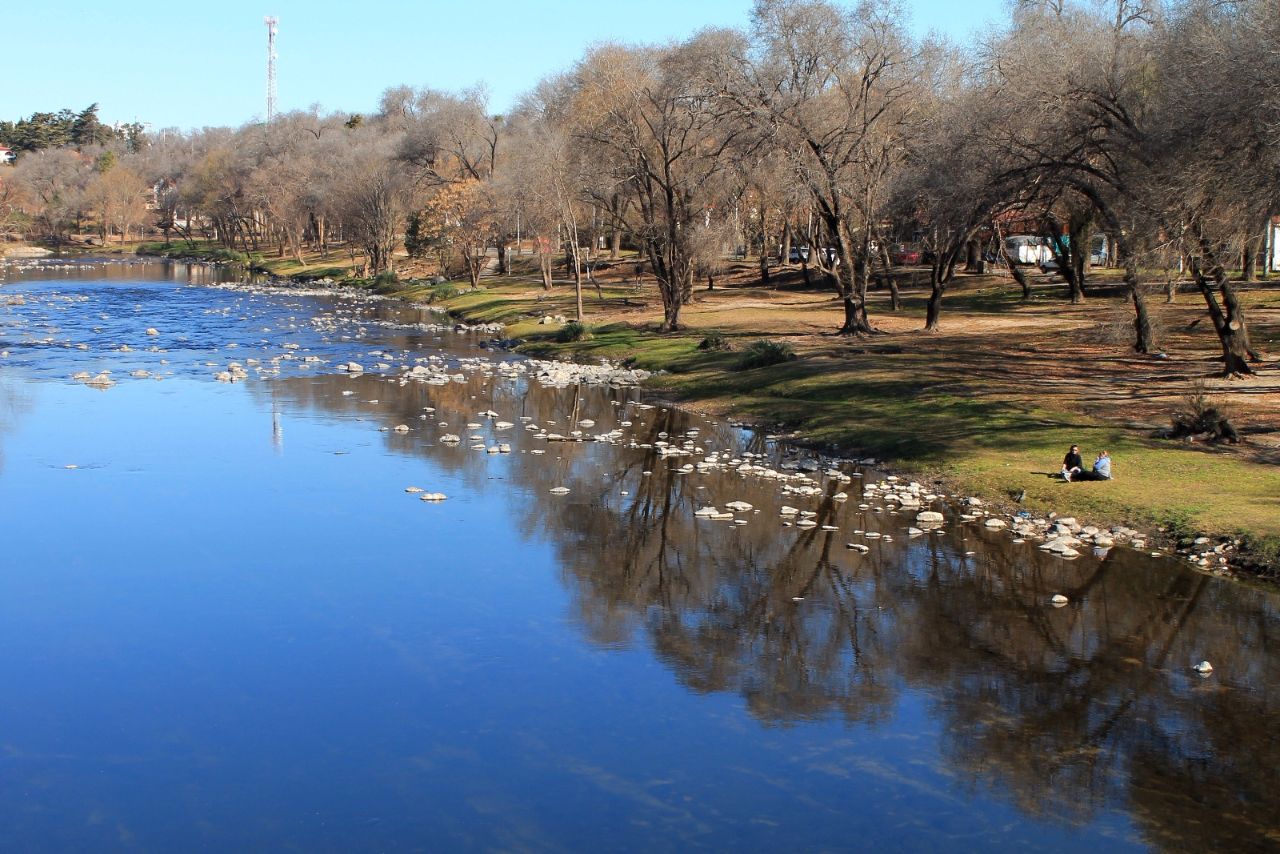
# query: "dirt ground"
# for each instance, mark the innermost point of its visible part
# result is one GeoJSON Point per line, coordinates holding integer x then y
{"type": "Point", "coordinates": [1046, 350]}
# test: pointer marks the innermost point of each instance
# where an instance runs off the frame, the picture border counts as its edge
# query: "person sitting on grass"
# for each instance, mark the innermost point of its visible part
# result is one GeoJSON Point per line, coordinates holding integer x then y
{"type": "Point", "coordinates": [1072, 464]}
{"type": "Point", "coordinates": [1101, 468]}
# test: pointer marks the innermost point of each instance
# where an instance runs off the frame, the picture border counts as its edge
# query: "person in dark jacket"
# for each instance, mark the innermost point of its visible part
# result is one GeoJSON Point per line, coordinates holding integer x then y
{"type": "Point", "coordinates": [1072, 464]}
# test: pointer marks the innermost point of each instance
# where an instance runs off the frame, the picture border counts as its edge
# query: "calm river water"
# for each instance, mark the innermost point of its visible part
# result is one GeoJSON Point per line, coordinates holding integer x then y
{"type": "Point", "coordinates": [230, 627]}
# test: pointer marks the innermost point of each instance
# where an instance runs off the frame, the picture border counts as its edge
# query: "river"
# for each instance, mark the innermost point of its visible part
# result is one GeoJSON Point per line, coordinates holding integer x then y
{"type": "Point", "coordinates": [225, 624]}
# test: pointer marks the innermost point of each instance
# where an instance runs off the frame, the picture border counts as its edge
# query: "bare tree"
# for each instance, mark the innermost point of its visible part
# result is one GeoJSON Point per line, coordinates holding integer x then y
{"type": "Point", "coordinates": [649, 115]}
{"type": "Point", "coordinates": [833, 91]}
{"type": "Point", "coordinates": [374, 199]}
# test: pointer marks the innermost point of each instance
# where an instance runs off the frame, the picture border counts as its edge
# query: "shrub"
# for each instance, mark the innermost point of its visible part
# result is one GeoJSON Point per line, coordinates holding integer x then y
{"type": "Point", "coordinates": [573, 331]}
{"type": "Point", "coordinates": [1260, 555]}
{"type": "Point", "coordinates": [763, 353]}
{"type": "Point", "coordinates": [221, 254]}
{"type": "Point", "coordinates": [443, 291]}
{"type": "Point", "coordinates": [1201, 417]}
{"type": "Point", "coordinates": [714, 341]}
{"type": "Point", "coordinates": [386, 281]}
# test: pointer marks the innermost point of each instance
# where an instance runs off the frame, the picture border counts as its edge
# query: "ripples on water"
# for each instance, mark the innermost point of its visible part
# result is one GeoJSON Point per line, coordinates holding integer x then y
{"type": "Point", "coordinates": [230, 625]}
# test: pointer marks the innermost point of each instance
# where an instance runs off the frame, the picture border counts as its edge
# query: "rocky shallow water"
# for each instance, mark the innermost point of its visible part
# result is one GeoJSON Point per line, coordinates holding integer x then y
{"type": "Point", "coordinates": [285, 569]}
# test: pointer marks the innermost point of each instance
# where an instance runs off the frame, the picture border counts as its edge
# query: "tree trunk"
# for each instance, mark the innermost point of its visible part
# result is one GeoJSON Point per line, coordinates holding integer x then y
{"type": "Point", "coordinates": [786, 244]}
{"type": "Point", "coordinates": [1081, 230]}
{"type": "Point", "coordinates": [935, 298]}
{"type": "Point", "coordinates": [504, 258]}
{"type": "Point", "coordinates": [764, 257]}
{"type": "Point", "coordinates": [891, 282]}
{"type": "Point", "coordinates": [973, 260]}
{"type": "Point", "coordinates": [1249, 261]}
{"type": "Point", "coordinates": [852, 278]}
{"type": "Point", "coordinates": [1230, 326]}
{"type": "Point", "coordinates": [577, 279]}
{"type": "Point", "coordinates": [577, 293]}
{"type": "Point", "coordinates": [544, 264]}
{"type": "Point", "coordinates": [1141, 320]}
{"type": "Point", "coordinates": [615, 237]}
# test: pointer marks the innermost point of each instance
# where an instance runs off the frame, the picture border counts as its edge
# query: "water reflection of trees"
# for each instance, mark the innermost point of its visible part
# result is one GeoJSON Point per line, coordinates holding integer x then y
{"type": "Point", "coordinates": [1062, 710]}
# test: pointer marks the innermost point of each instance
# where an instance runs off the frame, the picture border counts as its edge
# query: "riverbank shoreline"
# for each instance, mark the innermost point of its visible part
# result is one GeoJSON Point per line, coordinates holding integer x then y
{"type": "Point", "coordinates": [1167, 496]}
{"type": "Point", "coordinates": [850, 409]}
{"type": "Point", "coordinates": [1053, 526]}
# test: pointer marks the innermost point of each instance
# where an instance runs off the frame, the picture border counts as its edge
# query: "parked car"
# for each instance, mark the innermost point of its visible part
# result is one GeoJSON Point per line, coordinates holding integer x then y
{"type": "Point", "coordinates": [902, 254]}
{"type": "Point", "coordinates": [827, 255]}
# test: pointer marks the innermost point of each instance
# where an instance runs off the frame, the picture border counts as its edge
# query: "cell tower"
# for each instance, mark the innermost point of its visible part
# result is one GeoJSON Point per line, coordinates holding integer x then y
{"type": "Point", "coordinates": [271, 21]}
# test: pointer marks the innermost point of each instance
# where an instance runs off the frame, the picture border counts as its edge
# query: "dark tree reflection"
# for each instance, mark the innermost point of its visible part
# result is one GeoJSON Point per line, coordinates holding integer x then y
{"type": "Point", "coordinates": [1063, 711]}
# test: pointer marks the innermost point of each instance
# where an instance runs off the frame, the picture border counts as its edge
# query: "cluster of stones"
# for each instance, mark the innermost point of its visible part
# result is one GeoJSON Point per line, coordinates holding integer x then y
{"type": "Point", "coordinates": [1059, 535]}
{"type": "Point", "coordinates": [234, 372]}
{"type": "Point", "coordinates": [1208, 554]}
{"type": "Point", "coordinates": [100, 380]}
{"type": "Point", "coordinates": [434, 497]}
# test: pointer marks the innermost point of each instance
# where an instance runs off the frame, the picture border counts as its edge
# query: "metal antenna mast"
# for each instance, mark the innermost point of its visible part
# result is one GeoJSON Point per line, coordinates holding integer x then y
{"type": "Point", "coordinates": [271, 21]}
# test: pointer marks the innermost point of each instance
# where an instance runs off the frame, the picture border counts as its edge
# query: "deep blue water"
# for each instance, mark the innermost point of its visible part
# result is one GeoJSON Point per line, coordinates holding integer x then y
{"type": "Point", "coordinates": [229, 627]}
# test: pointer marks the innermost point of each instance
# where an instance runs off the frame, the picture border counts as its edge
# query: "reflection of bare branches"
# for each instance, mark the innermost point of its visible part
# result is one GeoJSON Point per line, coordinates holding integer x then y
{"type": "Point", "coordinates": [1060, 710]}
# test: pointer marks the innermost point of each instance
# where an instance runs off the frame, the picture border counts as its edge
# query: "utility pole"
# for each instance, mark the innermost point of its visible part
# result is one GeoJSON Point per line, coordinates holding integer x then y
{"type": "Point", "coordinates": [271, 21]}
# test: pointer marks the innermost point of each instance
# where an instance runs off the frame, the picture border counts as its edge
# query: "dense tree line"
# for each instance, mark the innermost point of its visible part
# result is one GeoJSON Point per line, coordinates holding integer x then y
{"type": "Point", "coordinates": [65, 128]}
{"type": "Point", "coordinates": [820, 125]}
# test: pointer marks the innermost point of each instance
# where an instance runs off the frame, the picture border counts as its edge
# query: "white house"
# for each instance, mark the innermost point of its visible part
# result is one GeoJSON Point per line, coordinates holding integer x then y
{"type": "Point", "coordinates": [6, 154]}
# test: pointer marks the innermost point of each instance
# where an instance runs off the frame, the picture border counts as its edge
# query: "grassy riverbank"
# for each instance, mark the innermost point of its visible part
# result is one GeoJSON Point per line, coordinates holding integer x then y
{"type": "Point", "coordinates": [992, 402]}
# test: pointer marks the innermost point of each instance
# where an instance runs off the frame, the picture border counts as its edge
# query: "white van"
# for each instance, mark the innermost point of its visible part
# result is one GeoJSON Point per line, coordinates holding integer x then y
{"type": "Point", "coordinates": [1028, 249]}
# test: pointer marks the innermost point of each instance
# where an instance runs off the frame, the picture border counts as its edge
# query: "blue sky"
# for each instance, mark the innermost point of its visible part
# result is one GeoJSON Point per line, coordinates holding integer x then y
{"type": "Point", "coordinates": [189, 65]}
